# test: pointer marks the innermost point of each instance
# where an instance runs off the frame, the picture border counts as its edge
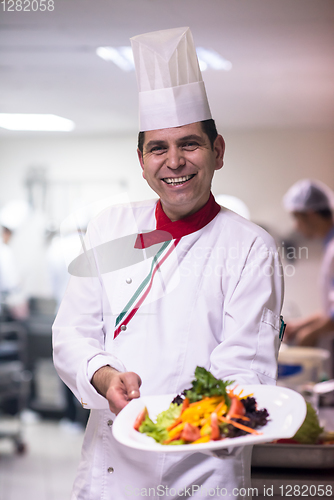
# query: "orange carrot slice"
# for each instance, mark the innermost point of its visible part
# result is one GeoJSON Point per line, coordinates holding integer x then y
{"type": "Point", "coordinates": [176, 422]}
{"type": "Point", "coordinates": [174, 438]}
{"type": "Point", "coordinates": [215, 432]}
{"type": "Point", "coordinates": [185, 405]}
{"type": "Point", "coordinates": [219, 407]}
{"type": "Point", "coordinates": [234, 415]}
{"type": "Point", "coordinates": [239, 426]}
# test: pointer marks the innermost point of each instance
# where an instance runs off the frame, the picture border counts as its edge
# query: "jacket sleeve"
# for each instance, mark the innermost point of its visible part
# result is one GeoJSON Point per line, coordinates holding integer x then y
{"type": "Point", "coordinates": [251, 318]}
{"type": "Point", "coordinates": [327, 273]}
{"type": "Point", "coordinates": [79, 338]}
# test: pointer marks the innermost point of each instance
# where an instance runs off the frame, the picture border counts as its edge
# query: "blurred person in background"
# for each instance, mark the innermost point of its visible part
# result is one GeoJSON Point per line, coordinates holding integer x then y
{"type": "Point", "coordinates": [311, 204]}
{"type": "Point", "coordinates": [13, 300]}
{"type": "Point", "coordinates": [9, 279]}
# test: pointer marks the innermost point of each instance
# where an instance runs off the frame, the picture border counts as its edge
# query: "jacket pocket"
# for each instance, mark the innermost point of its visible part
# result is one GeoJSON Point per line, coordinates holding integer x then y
{"type": "Point", "coordinates": [268, 343]}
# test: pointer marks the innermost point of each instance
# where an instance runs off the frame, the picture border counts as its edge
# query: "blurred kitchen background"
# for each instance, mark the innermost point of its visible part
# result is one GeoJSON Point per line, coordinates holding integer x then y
{"type": "Point", "coordinates": [269, 72]}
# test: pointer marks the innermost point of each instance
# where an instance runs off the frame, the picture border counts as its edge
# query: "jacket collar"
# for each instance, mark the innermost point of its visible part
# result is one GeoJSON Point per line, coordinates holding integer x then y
{"type": "Point", "coordinates": [167, 230]}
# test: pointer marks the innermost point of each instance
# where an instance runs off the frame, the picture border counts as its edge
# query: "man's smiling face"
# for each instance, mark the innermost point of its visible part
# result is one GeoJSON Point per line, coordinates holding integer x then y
{"type": "Point", "coordinates": [178, 164]}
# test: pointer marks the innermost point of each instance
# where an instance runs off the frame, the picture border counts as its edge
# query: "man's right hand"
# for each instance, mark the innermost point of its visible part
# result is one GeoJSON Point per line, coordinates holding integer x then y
{"type": "Point", "coordinates": [117, 387]}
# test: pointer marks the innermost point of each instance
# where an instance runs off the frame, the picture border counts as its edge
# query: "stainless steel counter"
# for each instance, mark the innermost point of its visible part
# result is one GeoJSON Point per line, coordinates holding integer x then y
{"type": "Point", "coordinates": [315, 481]}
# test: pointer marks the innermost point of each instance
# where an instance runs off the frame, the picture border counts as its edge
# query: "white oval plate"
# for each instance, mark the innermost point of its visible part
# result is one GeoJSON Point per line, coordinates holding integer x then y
{"type": "Point", "coordinates": [287, 410]}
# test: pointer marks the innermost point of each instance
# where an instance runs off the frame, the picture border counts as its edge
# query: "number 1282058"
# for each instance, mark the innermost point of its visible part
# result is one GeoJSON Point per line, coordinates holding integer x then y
{"type": "Point", "coordinates": [27, 5]}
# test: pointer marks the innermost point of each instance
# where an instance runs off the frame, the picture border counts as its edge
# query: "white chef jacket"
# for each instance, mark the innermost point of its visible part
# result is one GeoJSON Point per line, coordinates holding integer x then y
{"type": "Point", "coordinates": [327, 276]}
{"type": "Point", "coordinates": [9, 278]}
{"type": "Point", "coordinates": [214, 302]}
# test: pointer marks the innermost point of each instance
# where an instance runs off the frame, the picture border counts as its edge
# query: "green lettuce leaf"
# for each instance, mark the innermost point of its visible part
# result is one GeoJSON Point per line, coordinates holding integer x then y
{"type": "Point", "coordinates": [158, 430]}
{"type": "Point", "coordinates": [310, 430]}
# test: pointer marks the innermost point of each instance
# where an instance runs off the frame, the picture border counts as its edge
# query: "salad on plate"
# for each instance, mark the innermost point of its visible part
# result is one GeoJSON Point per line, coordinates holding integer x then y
{"type": "Point", "coordinates": [210, 410]}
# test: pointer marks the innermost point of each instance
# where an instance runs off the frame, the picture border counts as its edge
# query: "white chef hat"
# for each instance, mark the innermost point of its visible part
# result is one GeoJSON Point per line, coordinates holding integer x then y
{"type": "Point", "coordinates": [233, 203]}
{"type": "Point", "coordinates": [308, 194]}
{"type": "Point", "coordinates": [171, 88]}
{"type": "Point", "coordinates": [13, 214]}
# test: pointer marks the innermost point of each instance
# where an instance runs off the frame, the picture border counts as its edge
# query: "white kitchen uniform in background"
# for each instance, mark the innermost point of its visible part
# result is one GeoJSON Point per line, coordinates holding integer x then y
{"type": "Point", "coordinates": [9, 278]}
{"type": "Point", "coordinates": [327, 296]}
{"type": "Point", "coordinates": [314, 202]}
{"type": "Point", "coordinates": [327, 276]}
{"type": "Point", "coordinates": [215, 302]}
{"type": "Point", "coordinates": [12, 217]}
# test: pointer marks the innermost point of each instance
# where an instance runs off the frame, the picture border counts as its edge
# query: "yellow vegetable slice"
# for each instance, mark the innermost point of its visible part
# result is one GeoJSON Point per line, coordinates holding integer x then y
{"type": "Point", "coordinates": [203, 439]}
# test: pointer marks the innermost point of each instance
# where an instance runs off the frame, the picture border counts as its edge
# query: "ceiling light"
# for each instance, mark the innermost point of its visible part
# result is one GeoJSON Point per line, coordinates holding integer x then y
{"type": "Point", "coordinates": [36, 122]}
{"type": "Point", "coordinates": [211, 59]}
{"type": "Point", "coordinates": [123, 58]}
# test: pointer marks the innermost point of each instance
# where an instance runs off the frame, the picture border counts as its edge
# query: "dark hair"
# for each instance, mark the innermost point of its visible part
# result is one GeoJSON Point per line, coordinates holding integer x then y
{"type": "Point", "coordinates": [208, 127]}
{"type": "Point", "coordinates": [326, 213]}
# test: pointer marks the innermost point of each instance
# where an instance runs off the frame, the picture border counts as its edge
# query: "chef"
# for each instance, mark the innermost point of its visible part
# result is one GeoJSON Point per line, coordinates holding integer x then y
{"type": "Point", "coordinates": [163, 286]}
{"type": "Point", "coordinates": [311, 204]}
{"type": "Point", "coordinates": [12, 217]}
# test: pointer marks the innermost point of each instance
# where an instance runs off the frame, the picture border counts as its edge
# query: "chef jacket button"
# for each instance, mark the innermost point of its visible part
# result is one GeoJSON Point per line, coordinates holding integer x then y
{"type": "Point", "coordinates": [129, 281]}
{"type": "Point", "coordinates": [110, 422]}
{"type": "Point", "coordinates": [123, 328]}
{"type": "Point", "coordinates": [110, 470]}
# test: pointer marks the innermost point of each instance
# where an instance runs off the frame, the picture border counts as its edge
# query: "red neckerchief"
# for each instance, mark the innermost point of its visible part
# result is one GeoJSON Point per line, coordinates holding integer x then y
{"type": "Point", "coordinates": [167, 230]}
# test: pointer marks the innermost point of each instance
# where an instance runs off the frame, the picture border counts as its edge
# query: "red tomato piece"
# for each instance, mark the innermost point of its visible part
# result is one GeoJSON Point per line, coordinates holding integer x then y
{"type": "Point", "coordinates": [236, 408]}
{"type": "Point", "coordinates": [140, 419]}
{"type": "Point", "coordinates": [190, 433]}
